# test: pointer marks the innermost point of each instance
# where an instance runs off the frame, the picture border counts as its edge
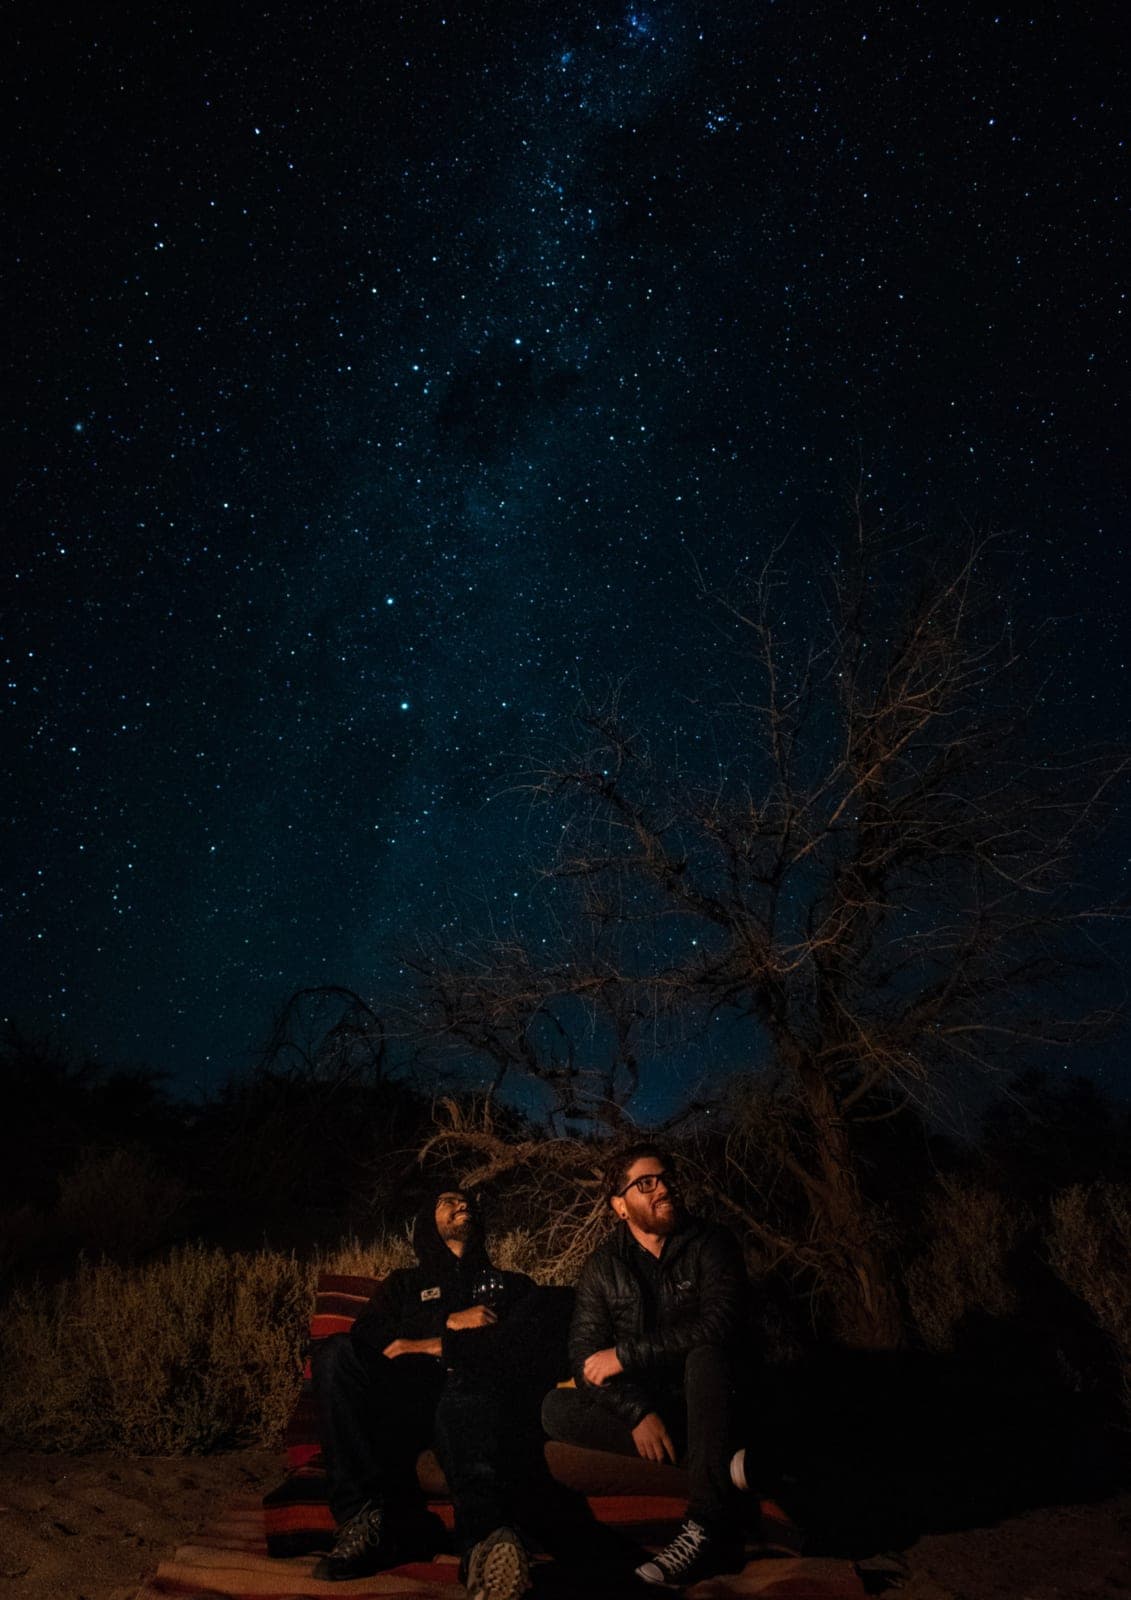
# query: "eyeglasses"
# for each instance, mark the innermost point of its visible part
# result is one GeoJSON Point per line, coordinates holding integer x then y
{"type": "Point", "coordinates": [647, 1182]}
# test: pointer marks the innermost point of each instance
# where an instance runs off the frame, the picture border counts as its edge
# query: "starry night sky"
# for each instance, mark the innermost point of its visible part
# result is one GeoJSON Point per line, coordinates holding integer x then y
{"type": "Point", "coordinates": [380, 372]}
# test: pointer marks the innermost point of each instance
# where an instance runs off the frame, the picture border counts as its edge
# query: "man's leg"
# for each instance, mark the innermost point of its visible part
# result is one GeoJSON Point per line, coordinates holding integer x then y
{"type": "Point", "coordinates": [375, 1416]}
{"type": "Point", "coordinates": [708, 1541]}
{"type": "Point", "coordinates": [712, 1418]}
{"type": "Point", "coordinates": [471, 1437]}
{"type": "Point", "coordinates": [571, 1417]}
{"type": "Point", "coordinates": [699, 1412]}
{"type": "Point", "coordinates": [475, 1441]}
{"type": "Point", "coordinates": [488, 1434]}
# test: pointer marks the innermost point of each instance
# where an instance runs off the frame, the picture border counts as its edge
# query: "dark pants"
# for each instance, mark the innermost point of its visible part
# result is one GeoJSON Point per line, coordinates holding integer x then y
{"type": "Point", "coordinates": [376, 1415]}
{"type": "Point", "coordinates": [700, 1409]}
{"type": "Point", "coordinates": [490, 1454]}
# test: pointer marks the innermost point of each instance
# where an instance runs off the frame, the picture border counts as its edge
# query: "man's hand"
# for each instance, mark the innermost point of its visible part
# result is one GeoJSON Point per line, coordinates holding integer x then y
{"type": "Point", "coordinates": [473, 1317]}
{"type": "Point", "coordinates": [652, 1439]}
{"type": "Point", "coordinates": [413, 1347]}
{"type": "Point", "coordinates": [601, 1366]}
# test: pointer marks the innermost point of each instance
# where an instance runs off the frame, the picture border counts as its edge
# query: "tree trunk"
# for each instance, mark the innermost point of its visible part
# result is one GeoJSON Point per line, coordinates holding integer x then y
{"type": "Point", "coordinates": [866, 1311]}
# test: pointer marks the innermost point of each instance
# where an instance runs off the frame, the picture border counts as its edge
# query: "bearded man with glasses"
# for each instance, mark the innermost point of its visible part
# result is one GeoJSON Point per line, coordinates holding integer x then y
{"type": "Point", "coordinates": [658, 1321]}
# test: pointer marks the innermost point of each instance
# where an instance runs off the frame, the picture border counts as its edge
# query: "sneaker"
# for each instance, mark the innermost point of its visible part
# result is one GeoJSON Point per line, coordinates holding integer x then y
{"type": "Point", "coordinates": [693, 1554]}
{"type": "Point", "coordinates": [366, 1544]}
{"type": "Point", "coordinates": [498, 1567]}
{"type": "Point", "coordinates": [738, 1470]}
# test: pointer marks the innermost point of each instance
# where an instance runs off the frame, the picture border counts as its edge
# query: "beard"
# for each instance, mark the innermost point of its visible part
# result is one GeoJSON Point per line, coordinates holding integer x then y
{"type": "Point", "coordinates": [659, 1216]}
{"type": "Point", "coordinates": [458, 1230]}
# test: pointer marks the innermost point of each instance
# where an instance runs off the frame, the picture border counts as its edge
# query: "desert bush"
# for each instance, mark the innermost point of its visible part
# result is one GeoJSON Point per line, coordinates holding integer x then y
{"type": "Point", "coordinates": [198, 1350]}
{"type": "Point", "coordinates": [971, 1233]}
{"type": "Point", "coordinates": [1089, 1248]}
{"type": "Point", "coordinates": [373, 1259]}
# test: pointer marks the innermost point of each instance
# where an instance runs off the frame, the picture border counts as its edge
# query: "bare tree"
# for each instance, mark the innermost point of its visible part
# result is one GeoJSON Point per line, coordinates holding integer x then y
{"type": "Point", "coordinates": [881, 879]}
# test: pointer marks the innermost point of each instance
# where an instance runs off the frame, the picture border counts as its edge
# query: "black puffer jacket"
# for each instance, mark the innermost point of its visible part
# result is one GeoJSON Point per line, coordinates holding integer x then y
{"type": "Point", "coordinates": [654, 1312]}
{"type": "Point", "coordinates": [416, 1302]}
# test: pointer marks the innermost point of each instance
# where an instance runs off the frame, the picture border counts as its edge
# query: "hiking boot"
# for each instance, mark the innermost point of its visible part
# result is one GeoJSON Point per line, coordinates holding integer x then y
{"type": "Point", "coordinates": [693, 1554]}
{"type": "Point", "coordinates": [498, 1567]}
{"type": "Point", "coordinates": [366, 1544]}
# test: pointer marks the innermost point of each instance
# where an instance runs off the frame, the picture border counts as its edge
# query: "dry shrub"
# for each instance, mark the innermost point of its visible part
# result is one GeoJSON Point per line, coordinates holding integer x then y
{"type": "Point", "coordinates": [972, 1231]}
{"type": "Point", "coordinates": [355, 1258]}
{"type": "Point", "coordinates": [199, 1350]}
{"type": "Point", "coordinates": [519, 1250]}
{"type": "Point", "coordinates": [1089, 1248]}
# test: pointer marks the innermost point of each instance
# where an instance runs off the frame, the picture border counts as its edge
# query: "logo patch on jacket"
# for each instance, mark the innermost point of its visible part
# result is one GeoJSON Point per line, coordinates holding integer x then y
{"type": "Point", "coordinates": [430, 1294]}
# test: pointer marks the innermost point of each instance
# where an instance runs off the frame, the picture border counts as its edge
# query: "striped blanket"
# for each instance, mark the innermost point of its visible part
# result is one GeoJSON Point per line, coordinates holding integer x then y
{"type": "Point", "coordinates": [229, 1561]}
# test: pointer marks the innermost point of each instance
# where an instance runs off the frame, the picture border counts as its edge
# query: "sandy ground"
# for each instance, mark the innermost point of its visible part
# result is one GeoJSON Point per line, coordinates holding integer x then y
{"type": "Point", "coordinates": [93, 1527]}
{"type": "Point", "coordinates": [1055, 1553]}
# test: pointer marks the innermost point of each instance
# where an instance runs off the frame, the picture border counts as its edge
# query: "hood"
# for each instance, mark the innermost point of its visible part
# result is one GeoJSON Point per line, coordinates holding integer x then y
{"type": "Point", "coordinates": [431, 1251]}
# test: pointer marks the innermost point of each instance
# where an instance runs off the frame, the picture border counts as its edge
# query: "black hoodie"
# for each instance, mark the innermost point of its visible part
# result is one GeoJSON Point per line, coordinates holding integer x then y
{"type": "Point", "coordinates": [416, 1302]}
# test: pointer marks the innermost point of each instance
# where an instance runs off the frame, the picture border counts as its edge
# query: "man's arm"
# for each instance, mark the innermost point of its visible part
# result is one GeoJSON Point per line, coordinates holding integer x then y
{"type": "Point", "coordinates": [591, 1329]}
{"type": "Point", "coordinates": [516, 1289]}
{"type": "Point", "coordinates": [375, 1324]}
{"type": "Point", "coordinates": [457, 1322]}
{"type": "Point", "coordinates": [377, 1327]}
{"type": "Point", "coordinates": [718, 1317]}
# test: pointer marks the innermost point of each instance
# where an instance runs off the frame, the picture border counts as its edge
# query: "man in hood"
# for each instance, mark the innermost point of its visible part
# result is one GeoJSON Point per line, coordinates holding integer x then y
{"type": "Point", "coordinates": [656, 1329]}
{"type": "Point", "coordinates": [417, 1369]}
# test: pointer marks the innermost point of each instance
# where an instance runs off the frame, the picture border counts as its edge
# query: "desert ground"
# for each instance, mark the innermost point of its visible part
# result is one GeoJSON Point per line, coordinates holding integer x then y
{"type": "Point", "coordinates": [92, 1527]}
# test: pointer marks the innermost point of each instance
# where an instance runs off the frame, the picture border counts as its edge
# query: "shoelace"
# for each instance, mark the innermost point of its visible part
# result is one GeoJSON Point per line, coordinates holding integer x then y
{"type": "Point", "coordinates": [683, 1549]}
{"type": "Point", "coordinates": [358, 1534]}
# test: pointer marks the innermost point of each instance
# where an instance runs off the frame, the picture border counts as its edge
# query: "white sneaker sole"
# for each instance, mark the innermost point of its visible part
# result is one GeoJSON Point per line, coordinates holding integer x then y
{"type": "Point", "coordinates": [649, 1572]}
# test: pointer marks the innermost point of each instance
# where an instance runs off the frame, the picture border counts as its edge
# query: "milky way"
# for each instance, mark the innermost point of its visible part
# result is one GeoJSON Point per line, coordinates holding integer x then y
{"type": "Point", "coordinates": [379, 377]}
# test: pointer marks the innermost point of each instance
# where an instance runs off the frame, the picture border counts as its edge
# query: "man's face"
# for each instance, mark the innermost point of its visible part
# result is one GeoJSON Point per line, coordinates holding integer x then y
{"type": "Point", "coordinates": [453, 1217]}
{"type": "Point", "coordinates": [655, 1213]}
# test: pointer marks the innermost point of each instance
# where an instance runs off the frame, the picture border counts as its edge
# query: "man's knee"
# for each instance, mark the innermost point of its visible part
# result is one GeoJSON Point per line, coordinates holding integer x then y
{"type": "Point", "coordinates": [333, 1362]}
{"type": "Point", "coordinates": [558, 1412]}
{"type": "Point", "coordinates": [707, 1363]}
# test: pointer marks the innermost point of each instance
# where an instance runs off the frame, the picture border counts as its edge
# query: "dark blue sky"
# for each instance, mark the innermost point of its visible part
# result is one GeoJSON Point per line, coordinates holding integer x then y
{"type": "Point", "coordinates": [379, 376]}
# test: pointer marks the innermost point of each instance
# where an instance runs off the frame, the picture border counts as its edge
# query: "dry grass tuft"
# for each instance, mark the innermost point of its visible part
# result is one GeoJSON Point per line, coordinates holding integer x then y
{"type": "Point", "coordinates": [965, 1267]}
{"type": "Point", "coordinates": [373, 1260]}
{"type": "Point", "coordinates": [1089, 1248]}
